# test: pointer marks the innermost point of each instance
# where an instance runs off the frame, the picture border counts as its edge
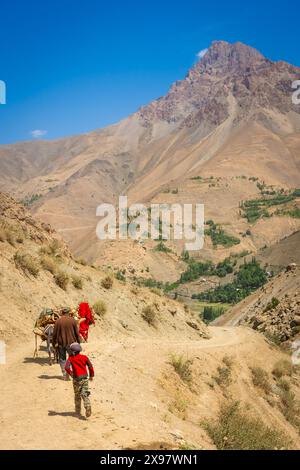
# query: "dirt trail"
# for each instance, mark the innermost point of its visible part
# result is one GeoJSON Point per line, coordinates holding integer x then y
{"type": "Point", "coordinates": [36, 408]}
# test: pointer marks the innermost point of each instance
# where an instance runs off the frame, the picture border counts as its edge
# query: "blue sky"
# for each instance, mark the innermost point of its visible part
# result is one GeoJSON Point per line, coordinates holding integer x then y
{"type": "Point", "coordinates": [75, 66]}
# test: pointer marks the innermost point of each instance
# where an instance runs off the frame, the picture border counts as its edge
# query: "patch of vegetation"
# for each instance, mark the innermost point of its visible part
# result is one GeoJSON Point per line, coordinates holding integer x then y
{"type": "Point", "coordinates": [223, 378]}
{"type": "Point", "coordinates": [228, 361]}
{"type": "Point", "coordinates": [107, 282]}
{"type": "Point", "coordinates": [149, 315]}
{"type": "Point", "coordinates": [100, 308]}
{"type": "Point", "coordinates": [28, 200]}
{"type": "Point", "coordinates": [282, 367]}
{"type": "Point", "coordinates": [255, 209]}
{"type": "Point", "coordinates": [61, 279]}
{"type": "Point", "coordinates": [261, 379]}
{"type": "Point", "coordinates": [11, 235]}
{"type": "Point", "coordinates": [290, 407]}
{"type": "Point", "coordinates": [179, 406]}
{"type": "Point", "coordinates": [236, 430]}
{"type": "Point", "coordinates": [210, 313]}
{"type": "Point", "coordinates": [273, 338]}
{"type": "Point", "coordinates": [48, 264]}
{"type": "Point", "coordinates": [185, 256]}
{"type": "Point", "coordinates": [54, 248]}
{"type": "Point", "coordinates": [197, 269]}
{"type": "Point", "coordinates": [162, 248]}
{"type": "Point", "coordinates": [156, 291]}
{"type": "Point", "coordinates": [274, 302]}
{"type": "Point", "coordinates": [294, 212]}
{"type": "Point", "coordinates": [249, 277]}
{"type": "Point", "coordinates": [26, 263]}
{"type": "Point", "coordinates": [219, 236]}
{"type": "Point", "coordinates": [77, 282]}
{"type": "Point", "coordinates": [120, 276]}
{"type": "Point", "coordinates": [182, 367]}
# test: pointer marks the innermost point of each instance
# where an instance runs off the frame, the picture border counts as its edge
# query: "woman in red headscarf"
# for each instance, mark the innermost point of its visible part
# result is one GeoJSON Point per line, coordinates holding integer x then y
{"type": "Point", "coordinates": [85, 320]}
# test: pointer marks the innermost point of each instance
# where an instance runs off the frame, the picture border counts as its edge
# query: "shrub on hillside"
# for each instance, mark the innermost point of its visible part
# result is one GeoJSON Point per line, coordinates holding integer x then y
{"type": "Point", "coordinates": [62, 279]}
{"type": "Point", "coordinates": [27, 263]}
{"type": "Point", "coordinates": [48, 264]}
{"type": "Point", "coordinates": [120, 276]}
{"type": "Point", "coordinates": [236, 430]}
{"type": "Point", "coordinates": [100, 308]}
{"type": "Point", "coordinates": [274, 302]}
{"type": "Point", "coordinates": [260, 378]}
{"type": "Point", "coordinates": [149, 315]}
{"type": "Point", "coordinates": [54, 248]}
{"type": "Point", "coordinates": [182, 367]}
{"type": "Point", "coordinates": [107, 282]}
{"type": "Point", "coordinates": [77, 282]}
{"type": "Point", "coordinates": [223, 378]}
{"type": "Point", "coordinates": [282, 367]}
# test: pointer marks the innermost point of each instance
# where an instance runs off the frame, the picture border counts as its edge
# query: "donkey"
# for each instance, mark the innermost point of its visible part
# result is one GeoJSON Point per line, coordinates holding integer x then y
{"type": "Point", "coordinates": [46, 333]}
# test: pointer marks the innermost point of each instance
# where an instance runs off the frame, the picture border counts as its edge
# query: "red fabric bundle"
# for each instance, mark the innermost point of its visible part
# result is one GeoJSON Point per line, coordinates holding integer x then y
{"type": "Point", "coordinates": [84, 311]}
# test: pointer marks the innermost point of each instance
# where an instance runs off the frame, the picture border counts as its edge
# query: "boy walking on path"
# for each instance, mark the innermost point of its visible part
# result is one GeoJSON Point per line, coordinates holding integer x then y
{"type": "Point", "coordinates": [76, 367]}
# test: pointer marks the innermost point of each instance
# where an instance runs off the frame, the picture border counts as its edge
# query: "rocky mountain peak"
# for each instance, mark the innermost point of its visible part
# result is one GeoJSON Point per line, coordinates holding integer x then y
{"type": "Point", "coordinates": [231, 57]}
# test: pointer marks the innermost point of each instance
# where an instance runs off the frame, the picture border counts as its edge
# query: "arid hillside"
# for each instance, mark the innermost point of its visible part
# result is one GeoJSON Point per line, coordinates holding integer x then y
{"type": "Point", "coordinates": [37, 270]}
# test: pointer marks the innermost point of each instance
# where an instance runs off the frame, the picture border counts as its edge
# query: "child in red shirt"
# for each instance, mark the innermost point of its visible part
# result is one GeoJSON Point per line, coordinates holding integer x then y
{"type": "Point", "coordinates": [76, 367]}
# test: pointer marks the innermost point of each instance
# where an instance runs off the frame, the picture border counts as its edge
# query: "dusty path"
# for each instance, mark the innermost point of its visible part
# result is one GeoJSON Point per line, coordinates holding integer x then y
{"type": "Point", "coordinates": [36, 406]}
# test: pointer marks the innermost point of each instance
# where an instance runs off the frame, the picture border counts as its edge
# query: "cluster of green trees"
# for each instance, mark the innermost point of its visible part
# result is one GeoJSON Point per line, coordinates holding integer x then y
{"type": "Point", "coordinates": [27, 201]}
{"type": "Point", "coordinates": [211, 313]}
{"type": "Point", "coordinates": [255, 209]}
{"type": "Point", "coordinates": [196, 269]}
{"type": "Point", "coordinates": [249, 277]}
{"type": "Point", "coordinates": [219, 236]}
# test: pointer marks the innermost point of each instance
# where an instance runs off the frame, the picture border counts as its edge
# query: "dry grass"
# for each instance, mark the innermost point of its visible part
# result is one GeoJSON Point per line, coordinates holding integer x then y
{"type": "Point", "coordinates": [10, 234]}
{"type": "Point", "coordinates": [282, 368]}
{"type": "Point", "coordinates": [48, 264]}
{"type": "Point", "coordinates": [182, 367]}
{"type": "Point", "coordinates": [100, 308]}
{"type": "Point", "coordinates": [53, 248]}
{"type": "Point", "coordinates": [107, 282]}
{"type": "Point", "coordinates": [223, 378]}
{"type": "Point", "coordinates": [156, 291]}
{"type": "Point", "coordinates": [290, 407]}
{"type": "Point", "coordinates": [179, 406]}
{"type": "Point", "coordinates": [236, 430]}
{"type": "Point", "coordinates": [228, 361]}
{"type": "Point", "coordinates": [61, 279]}
{"type": "Point", "coordinates": [149, 315]}
{"type": "Point", "coordinates": [261, 379]}
{"type": "Point", "coordinates": [77, 282]}
{"type": "Point", "coordinates": [26, 263]}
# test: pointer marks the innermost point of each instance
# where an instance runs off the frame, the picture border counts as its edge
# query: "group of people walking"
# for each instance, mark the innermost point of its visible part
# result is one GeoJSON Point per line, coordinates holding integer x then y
{"type": "Point", "coordinates": [66, 339]}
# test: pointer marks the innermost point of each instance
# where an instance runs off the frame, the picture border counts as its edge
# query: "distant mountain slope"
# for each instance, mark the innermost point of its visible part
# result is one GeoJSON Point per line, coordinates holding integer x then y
{"type": "Point", "coordinates": [231, 116]}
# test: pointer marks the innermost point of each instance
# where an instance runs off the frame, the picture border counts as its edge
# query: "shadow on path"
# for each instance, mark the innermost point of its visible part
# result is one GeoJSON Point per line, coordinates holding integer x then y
{"type": "Point", "coordinates": [49, 377]}
{"type": "Point", "coordinates": [66, 414]}
{"type": "Point", "coordinates": [43, 361]}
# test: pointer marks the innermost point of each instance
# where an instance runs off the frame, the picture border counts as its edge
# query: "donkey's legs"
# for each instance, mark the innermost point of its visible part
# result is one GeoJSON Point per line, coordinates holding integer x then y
{"type": "Point", "coordinates": [35, 353]}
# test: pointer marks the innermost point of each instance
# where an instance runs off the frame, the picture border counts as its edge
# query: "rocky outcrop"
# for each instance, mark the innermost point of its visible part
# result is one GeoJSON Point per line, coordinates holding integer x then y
{"type": "Point", "coordinates": [278, 319]}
